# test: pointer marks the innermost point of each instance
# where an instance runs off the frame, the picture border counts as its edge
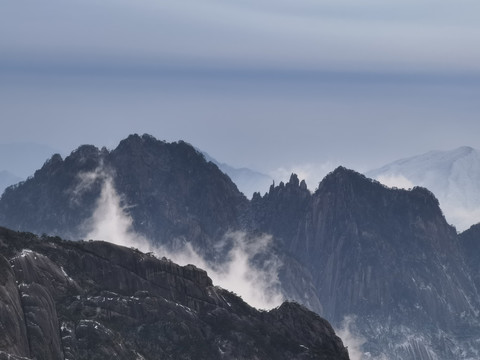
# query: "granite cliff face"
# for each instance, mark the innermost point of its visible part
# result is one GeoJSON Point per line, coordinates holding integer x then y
{"type": "Point", "coordinates": [384, 258]}
{"type": "Point", "coordinates": [96, 300]}
{"type": "Point", "coordinates": [172, 195]}
{"type": "Point", "coordinates": [387, 257]}
{"type": "Point", "coordinates": [48, 203]}
{"type": "Point", "coordinates": [171, 190]}
{"type": "Point", "coordinates": [176, 193]}
{"type": "Point", "coordinates": [469, 241]}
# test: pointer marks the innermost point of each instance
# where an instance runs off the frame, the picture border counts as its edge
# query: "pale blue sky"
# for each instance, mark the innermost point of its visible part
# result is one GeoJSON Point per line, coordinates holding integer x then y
{"type": "Point", "coordinates": [265, 84]}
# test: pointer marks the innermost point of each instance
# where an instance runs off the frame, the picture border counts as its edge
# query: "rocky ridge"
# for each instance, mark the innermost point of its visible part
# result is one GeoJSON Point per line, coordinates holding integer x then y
{"type": "Point", "coordinates": [96, 300]}
{"type": "Point", "coordinates": [385, 257]}
{"type": "Point", "coordinates": [352, 249]}
{"type": "Point", "coordinates": [174, 193]}
{"type": "Point", "coordinates": [451, 175]}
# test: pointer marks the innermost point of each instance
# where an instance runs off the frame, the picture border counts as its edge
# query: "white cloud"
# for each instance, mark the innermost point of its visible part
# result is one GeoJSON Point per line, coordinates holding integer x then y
{"type": "Point", "coordinates": [110, 221]}
{"type": "Point", "coordinates": [461, 217]}
{"type": "Point", "coordinates": [397, 181]}
{"type": "Point", "coordinates": [85, 182]}
{"type": "Point", "coordinates": [257, 284]}
{"type": "Point", "coordinates": [299, 34]}
{"type": "Point", "coordinates": [352, 341]}
{"type": "Point", "coordinates": [241, 271]}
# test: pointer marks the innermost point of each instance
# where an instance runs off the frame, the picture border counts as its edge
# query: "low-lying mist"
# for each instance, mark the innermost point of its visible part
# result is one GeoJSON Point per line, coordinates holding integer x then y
{"type": "Point", "coordinates": [350, 339]}
{"type": "Point", "coordinates": [240, 271]}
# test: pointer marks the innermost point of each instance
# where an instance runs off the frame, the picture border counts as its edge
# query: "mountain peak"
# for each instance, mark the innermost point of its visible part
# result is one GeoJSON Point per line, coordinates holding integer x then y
{"type": "Point", "coordinates": [136, 141]}
{"type": "Point", "coordinates": [451, 175]}
{"type": "Point", "coordinates": [465, 149]}
{"type": "Point", "coordinates": [342, 172]}
{"type": "Point", "coordinates": [294, 180]}
{"type": "Point", "coordinates": [342, 175]}
{"type": "Point", "coordinates": [173, 180]}
{"type": "Point", "coordinates": [85, 151]}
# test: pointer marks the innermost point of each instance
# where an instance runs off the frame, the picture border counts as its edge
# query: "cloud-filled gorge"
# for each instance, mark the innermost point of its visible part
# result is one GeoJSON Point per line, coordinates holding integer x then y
{"type": "Point", "coordinates": [240, 271]}
{"type": "Point", "coordinates": [258, 284]}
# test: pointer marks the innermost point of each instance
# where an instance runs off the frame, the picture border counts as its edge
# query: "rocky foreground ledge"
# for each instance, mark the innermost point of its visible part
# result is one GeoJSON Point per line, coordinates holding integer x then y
{"type": "Point", "coordinates": [95, 300]}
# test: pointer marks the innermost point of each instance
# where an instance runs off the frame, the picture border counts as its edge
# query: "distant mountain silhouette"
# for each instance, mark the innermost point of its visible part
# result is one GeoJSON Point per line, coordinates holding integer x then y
{"type": "Point", "coordinates": [7, 179]}
{"type": "Point", "coordinates": [451, 175]}
{"type": "Point", "coordinates": [247, 180]}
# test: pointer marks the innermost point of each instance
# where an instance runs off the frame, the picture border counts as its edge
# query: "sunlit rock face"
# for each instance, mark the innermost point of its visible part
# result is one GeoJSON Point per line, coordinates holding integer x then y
{"type": "Point", "coordinates": [85, 300]}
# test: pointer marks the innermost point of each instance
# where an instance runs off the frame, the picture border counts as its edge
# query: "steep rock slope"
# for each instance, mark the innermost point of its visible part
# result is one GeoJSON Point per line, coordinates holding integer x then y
{"type": "Point", "coordinates": [247, 180]}
{"type": "Point", "coordinates": [174, 192]}
{"type": "Point", "coordinates": [13, 333]}
{"type": "Point", "coordinates": [7, 179]}
{"type": "Point", "coordinates": [172, 195]}
{"type": "Point", "coordinates": [96, 300]}
{"type": "Point", "coordinates": [170, 190]}
{"type": "Point", "coordinates": [49, 202]}
{"type": "Point", "coordinates": [451, 175]}
{"type": "Point", "coordinates": [385, 257]}
{"type": "Point", "coordinates": [470, 244]}
{"type": "Point", "coordinates": [354, 249]}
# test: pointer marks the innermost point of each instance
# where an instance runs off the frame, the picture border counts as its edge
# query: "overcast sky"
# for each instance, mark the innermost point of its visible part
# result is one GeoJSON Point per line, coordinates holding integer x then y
{"type": "Point", "coordinates": [272, 85]}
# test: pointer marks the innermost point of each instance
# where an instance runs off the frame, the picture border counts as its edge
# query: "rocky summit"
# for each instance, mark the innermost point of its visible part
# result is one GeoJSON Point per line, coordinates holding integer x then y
{"type": "Point", "coordinates": [384, 257]}
{"type": "Point", "coordinates": [95, 300]}
{"type": "Point", "coordinates": [382, 260]}
{"type": "Point", "coordinates": [176, 193]}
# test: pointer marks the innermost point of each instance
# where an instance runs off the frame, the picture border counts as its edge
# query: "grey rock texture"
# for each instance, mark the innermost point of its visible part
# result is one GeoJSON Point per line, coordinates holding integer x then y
{"type": "Point", "coordinates": [13, 333]}
{"type": "Point", "coordinates": [386, 257]}
{"type": "Point", "coordinates": [352, 249]}
{"type": "Point", "coordinates": [172, 192]}
{"type": "Point", "coordinates": [469, 242]}
{"type": "Point", "coordinates": [96, 300]}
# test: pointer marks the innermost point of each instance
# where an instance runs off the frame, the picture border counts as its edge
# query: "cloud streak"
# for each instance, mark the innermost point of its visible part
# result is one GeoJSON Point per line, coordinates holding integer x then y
{"type": "Point", "coordinates": [302, 34]}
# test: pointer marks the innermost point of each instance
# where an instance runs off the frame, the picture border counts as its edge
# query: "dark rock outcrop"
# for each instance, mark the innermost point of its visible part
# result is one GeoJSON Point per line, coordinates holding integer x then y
{"type": "Point", "coordinates": [384, 256]}
{"type": "Point", "coordinates": [353, 248]}
{"type": "Point", "coordinates": [469, 241]}
{"type": "Point", "coordinates": [172, 192]}
{"type": "Point", "coordinates": [52, 201]}
{"type": "Point", "coordinates": [13, 333]}
{"type": "Point", "coordinates": [96, 300]}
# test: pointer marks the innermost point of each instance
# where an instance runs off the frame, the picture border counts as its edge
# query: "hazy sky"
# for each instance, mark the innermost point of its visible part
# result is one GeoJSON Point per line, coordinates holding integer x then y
{"type": "Point", "coordinates": [303, 84]}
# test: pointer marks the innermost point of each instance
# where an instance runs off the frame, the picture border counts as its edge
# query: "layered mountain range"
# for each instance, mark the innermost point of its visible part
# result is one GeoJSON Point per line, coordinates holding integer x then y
{"type": "Point", "coordinates": [451, 175]}
{"type": "Point", "coordinates": [247, 180]}
{"type": "Point", "coordinates": [384, 259]}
